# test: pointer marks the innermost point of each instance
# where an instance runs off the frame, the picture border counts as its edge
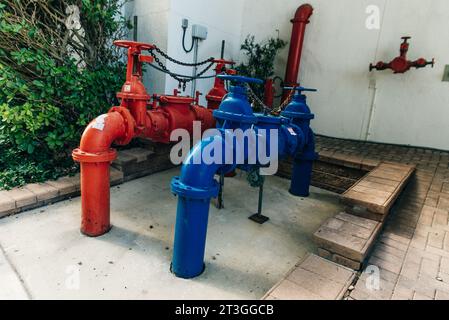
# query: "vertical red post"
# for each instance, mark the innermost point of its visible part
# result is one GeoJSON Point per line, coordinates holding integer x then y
{"type": "Point", "coordinates": [268, 98]}
{"type": "Point", "coordinates": [300, 21]}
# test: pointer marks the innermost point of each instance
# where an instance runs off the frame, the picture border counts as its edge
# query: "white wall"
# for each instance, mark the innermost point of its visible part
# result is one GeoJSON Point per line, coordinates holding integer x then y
{"type": "Point", "coordinates": [152, 28]}
{"type": "Point", "coordinates": [408, 109]}
{"type": "Point", "coordinates": [411, 109]}
{"type": "Point", "coordinates": [223, 20]}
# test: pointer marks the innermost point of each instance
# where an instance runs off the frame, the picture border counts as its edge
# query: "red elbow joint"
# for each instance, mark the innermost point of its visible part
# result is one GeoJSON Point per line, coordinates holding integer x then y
{"type": "Point", "coordinates": [95, 154]}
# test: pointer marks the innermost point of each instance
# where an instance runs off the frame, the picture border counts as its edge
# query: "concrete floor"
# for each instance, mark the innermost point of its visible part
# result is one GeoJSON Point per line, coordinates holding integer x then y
{"type": "Point", "coordinates": [44, 256]}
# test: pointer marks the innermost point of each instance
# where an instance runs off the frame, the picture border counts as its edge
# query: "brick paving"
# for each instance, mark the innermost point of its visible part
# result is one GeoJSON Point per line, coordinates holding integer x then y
{"type": "Point", "coordinates": [412, 253]}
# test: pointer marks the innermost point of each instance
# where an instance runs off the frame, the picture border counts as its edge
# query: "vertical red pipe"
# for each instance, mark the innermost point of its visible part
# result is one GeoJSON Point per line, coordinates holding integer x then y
{"type": "Point", "coordinates": [300, 21]}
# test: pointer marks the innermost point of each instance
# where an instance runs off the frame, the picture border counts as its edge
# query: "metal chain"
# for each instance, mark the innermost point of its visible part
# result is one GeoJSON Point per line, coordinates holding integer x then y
{"type": "Point", "coordinates": [186, 64]}
{"type": "Point", "coordinates": [182, 81]}
{"type": "Point", "coordinates": [286, 102]}
{"type": "Point", "coordinates": [256, 99]}
{"type": "Point", "coordinates": [276, 111]}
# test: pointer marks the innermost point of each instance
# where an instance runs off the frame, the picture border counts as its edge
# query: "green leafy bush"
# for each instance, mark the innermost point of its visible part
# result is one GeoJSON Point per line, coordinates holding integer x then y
{"type": "Point", "coordinates": [259, 60]}
{"type": "Point", "coordinates": [53, 81]}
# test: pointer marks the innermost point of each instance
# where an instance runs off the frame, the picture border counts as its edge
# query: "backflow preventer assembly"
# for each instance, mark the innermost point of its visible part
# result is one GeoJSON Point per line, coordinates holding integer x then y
{"type": "Point", "coordinates": [196, 185]}
{"type": "Point", "coordinates": [133, 119]}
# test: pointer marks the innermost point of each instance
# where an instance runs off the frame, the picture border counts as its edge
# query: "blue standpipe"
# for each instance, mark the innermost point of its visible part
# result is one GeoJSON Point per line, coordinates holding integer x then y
{"type": "Point", "coordinates": [196, 185]}
{"type": "Point", "coordinates": [299, 113]}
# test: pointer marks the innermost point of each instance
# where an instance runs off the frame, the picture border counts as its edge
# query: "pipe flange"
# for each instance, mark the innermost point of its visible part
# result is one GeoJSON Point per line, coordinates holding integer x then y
{"type": "Point", "coordinates": [129, 122]}
{"type": "Point", "coordinates": [183, 190]}
{"type": "Point", "coordinates": [133, 96]}
{"type": "Point", "coordinates": [235, 117]}
{"type": "Point", "coordinates": [298, 115]}
{"type": "Point", "coordinates": [91, 157]}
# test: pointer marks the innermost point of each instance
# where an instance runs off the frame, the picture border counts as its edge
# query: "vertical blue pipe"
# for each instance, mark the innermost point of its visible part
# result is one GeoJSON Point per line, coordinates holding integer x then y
{"type": "Point", "coordinates": [302, 169]}
{"type": "Point", "coordinates": [190, 237]}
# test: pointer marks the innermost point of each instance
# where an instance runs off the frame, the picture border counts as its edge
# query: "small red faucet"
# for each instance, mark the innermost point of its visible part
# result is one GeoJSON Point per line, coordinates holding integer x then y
{"type": "Point", "coordinates": [401, 64]}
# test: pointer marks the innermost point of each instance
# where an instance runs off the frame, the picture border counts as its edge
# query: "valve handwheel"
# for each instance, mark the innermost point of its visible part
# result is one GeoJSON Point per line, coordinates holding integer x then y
{"type": "Point", "coordinates": [133, 44]}
{"type": "Point", "coordinates": [224, 61]}
{"type": "Point", "coordinates": [239, 79]}
{"type": "Point", "coordinates": [300, 89]}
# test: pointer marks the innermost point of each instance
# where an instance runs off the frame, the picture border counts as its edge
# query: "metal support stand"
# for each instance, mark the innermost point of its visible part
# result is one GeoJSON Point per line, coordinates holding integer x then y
{"type": "Point", "coordinates": [135, 28]}
{"type": "Point", "coordinates": [195, 68]}
{"type": "Point", "coordinates": [258, 217]}
{"type": "Point", "coordinates": [220, 204]}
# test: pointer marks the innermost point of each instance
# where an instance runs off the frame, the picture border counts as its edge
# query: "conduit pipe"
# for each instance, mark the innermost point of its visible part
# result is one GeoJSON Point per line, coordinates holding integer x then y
{"type": "Point", "coordinates": [300, 21]}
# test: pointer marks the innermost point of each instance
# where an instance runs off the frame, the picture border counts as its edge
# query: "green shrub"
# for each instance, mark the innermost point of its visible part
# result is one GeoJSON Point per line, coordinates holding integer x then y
{"type": "Point", "coordinates": [259, 60]}
{"type": "Point", "coordinates": [53, 81]}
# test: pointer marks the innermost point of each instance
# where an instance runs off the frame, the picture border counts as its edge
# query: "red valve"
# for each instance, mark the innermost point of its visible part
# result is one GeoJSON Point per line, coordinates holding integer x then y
{"type": "Point", "coordinates": [133, 119]}
{"type": "Point", "coordinates": [217, 93]}
{"type": "Point", "coordinates": [401, 64]}
{"type": "Point", "coordinates": [133, 44]}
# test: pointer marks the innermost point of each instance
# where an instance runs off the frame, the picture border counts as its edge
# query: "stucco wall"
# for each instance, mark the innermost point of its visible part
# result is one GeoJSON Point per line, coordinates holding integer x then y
{"type": "Point", "coordinates": [411, 109]}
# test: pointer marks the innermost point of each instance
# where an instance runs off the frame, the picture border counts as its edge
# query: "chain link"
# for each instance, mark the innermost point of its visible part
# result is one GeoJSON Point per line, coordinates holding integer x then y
{"type": "Point", "coordinates": [276, 111]}
{"type": "Point", "coordinates": [256, 99]}
{"type": "Point", "coordinates": [286, 102]}
{"type": "Point", "coordinates": [186, 64]}
{"type": "Point", "coordinates": [182, 81]}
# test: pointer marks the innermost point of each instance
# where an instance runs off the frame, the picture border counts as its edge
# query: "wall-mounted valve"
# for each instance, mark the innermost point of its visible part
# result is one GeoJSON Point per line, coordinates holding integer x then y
{"type": "Point", "coordinates": [401, 64]}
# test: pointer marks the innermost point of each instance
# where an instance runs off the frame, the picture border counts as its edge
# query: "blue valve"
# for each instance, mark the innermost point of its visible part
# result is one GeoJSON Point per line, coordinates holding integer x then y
{"type": "Point", "coordinates": [300, 89]}
{"type": "Point", "coordinates": [240, 79]}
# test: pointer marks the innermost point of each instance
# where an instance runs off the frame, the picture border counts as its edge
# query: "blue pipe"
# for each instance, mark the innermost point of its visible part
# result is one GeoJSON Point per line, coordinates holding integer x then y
{"type": "Point", "coordinates": [196, 185]}
{"type": "Point", "coordinates": [299, 113]}
{"type": "Point", "coordinates": [302, 168]}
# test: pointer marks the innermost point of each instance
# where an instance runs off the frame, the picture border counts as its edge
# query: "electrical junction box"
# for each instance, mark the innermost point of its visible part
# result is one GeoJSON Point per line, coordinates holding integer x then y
{"type": "Point", "coordinates": [446, 74]}
{"type": "Point", "coordinates": [199, 32]}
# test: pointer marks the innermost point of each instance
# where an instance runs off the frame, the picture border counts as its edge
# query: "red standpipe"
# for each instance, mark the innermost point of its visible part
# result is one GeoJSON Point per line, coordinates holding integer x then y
{"type": "Point", "coordinates": [120, 125]}
{"type": "Point", "coordinates": [300, 21]}
{"type": "Point", "coordinates": [268, 97]}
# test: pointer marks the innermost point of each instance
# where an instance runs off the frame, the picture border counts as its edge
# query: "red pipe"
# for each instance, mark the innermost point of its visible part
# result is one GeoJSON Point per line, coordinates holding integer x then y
{"type": "Point", "coordinates": [120, 125]}
{"type": "Point", "coordinates": [300, 21]}
{"type": "Point", "coordinates": [95, 156]}
{"type": "Point", "coordinates": [268, 97]}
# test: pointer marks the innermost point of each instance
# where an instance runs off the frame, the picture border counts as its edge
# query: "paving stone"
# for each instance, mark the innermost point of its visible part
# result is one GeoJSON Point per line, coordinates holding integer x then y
{"type": "Point", "coordinates": [378, 190]}
{"type": "Point", "coordinates": [139, 154]}
{"type": "Point", "coordinates": [288, 290]}
{"type": "Point", "coordinates": [401, 293]}
{"type": "Point", "coordinates": [348, 236]}
{"type": "Point", "coordinates": [7, 204]}
{"type": "Point", "coordinates": [65, 185]}
{"type": "Point", "coordinates": [440, 295]}
{"type": "Point", "coordinates": [429, 268]}
{"type": "Point", "coordinates": [123, 159]}
{"type": "Point", "coordinates": [313, 279]}
{"type": "Point", "coordinates": [43, 191]}
{"type": "Point", "coordinates": [23, 197]}
{"type": "Point", "coordinates": [116, 176]}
